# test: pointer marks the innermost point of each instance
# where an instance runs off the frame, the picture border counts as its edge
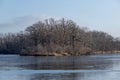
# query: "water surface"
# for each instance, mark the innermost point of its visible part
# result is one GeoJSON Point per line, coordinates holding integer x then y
{"type": "Point", "coordinates": [98, 67]}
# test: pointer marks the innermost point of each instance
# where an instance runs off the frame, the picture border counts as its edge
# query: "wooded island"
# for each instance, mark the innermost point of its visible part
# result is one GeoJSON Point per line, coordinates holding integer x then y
{"type": "Point", "coordinates": [57, 38]}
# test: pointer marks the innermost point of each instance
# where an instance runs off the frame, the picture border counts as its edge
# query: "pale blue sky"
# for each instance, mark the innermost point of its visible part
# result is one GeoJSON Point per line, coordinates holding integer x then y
{"type": "Point", "coordinates": [104, 15]}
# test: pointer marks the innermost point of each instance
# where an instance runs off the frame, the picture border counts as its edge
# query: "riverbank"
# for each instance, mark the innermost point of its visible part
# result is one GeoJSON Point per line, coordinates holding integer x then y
{"type": "Point", "coordinates": [50, 54]}
{"type": "Point", "coordinates": [105, 52]}
{"type": "Point", "coordinates": [66, 54]}
{"type": "Point", "coordinates": [59, 54]}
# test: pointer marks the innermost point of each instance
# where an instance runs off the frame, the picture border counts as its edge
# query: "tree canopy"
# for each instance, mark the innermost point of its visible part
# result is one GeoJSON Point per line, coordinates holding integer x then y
{"type": "Point", "coordinates": [57, 36]}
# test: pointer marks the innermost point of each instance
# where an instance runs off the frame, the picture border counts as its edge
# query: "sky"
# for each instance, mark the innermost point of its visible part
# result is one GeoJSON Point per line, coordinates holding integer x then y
{"type": "Point", "coordinates": [101, 15]}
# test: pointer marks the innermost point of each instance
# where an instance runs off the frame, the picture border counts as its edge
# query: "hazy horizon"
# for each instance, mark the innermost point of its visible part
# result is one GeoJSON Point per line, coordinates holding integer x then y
{"type": "Point", "coordinates": [101, 15]}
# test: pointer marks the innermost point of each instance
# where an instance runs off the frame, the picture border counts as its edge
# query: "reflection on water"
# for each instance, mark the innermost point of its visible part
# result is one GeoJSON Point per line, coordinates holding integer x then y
{"type": "Point", "coordinates": [99, 67]}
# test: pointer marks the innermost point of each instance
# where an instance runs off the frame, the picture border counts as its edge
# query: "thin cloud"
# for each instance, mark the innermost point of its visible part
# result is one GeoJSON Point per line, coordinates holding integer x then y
{"type": "Point", "coordinates": [26, 20]}
{"type": "Point", "coordinates": [20, 23]}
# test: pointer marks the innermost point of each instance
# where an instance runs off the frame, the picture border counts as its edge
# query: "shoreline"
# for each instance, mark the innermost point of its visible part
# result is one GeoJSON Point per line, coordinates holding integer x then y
{"type": "Point", "coordinates": [66, 54]}
{"type": "Point", "coordinates": [63, 54]}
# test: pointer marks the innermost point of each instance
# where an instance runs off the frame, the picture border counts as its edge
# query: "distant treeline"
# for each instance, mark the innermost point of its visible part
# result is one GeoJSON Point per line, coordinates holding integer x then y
{"type": "Point", "coordinates": [62, 37]}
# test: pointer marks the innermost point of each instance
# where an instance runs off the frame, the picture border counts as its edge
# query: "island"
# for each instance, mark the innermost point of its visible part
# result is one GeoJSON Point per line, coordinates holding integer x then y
{"type": "Point", "coordinates": [58, 38]}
